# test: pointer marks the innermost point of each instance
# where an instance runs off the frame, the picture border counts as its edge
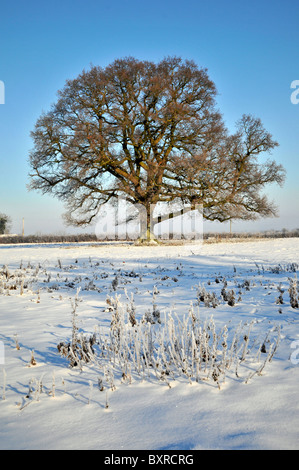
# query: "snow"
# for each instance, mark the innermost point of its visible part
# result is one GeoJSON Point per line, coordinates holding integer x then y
{"type": "Point", "coordinates": [145, 413]}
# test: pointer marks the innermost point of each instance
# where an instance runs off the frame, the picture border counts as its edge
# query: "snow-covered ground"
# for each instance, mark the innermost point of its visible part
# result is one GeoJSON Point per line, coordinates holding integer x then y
{"type": "Point", "coordinates": [95, 405]}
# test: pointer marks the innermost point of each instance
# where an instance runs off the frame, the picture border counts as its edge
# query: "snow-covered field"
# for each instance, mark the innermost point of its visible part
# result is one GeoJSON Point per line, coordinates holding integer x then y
{"type": "Point", "coordinates": [166, 371]}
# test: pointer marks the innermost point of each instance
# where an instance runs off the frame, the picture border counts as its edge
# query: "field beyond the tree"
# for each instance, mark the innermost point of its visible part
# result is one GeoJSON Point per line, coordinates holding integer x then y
{"type": "Point", "coordinates": [113, 346]}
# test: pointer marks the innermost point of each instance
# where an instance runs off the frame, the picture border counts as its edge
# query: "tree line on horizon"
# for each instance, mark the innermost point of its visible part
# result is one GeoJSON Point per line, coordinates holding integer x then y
{"type": "Point", "coordinates": [92, 238]}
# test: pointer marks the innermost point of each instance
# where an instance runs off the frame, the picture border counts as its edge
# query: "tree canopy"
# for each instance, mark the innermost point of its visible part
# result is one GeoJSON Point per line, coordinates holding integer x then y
{"type": "Point", "coordinates": [150, 132]}
{"type": "Point", "coordinates": [4, 223]}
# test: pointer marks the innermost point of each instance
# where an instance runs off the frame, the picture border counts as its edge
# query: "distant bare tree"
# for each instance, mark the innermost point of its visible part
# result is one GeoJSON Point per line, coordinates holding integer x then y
{"type": "Point", "coordinates": [151, 133]}
{"type": "Point", "coordinates": [5, 222]}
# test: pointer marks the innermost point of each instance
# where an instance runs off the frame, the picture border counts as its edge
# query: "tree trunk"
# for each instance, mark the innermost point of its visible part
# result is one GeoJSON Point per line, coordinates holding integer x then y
{"type": "Point", "coordinates": [146, 225]}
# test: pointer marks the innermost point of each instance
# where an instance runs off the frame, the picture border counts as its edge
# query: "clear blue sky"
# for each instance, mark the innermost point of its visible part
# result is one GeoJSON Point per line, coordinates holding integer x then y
{"type": "Point", "coordinates": [249, 48]}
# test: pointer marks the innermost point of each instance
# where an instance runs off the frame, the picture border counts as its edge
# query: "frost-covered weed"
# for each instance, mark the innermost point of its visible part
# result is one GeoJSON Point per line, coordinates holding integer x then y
{"type": "Point", "coordinates": [293, 292]}
{"type": "Point", "coordinates": [279, 299]}
{"type": "Point", "coordinates": [173, 349]}
{"type": "Point", "coordinates": [80, 349]}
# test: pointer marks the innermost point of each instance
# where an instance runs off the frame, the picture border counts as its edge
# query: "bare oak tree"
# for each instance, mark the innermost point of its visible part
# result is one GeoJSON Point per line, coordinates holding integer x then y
{"type": "Point", "coordinates": [151, 133]}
